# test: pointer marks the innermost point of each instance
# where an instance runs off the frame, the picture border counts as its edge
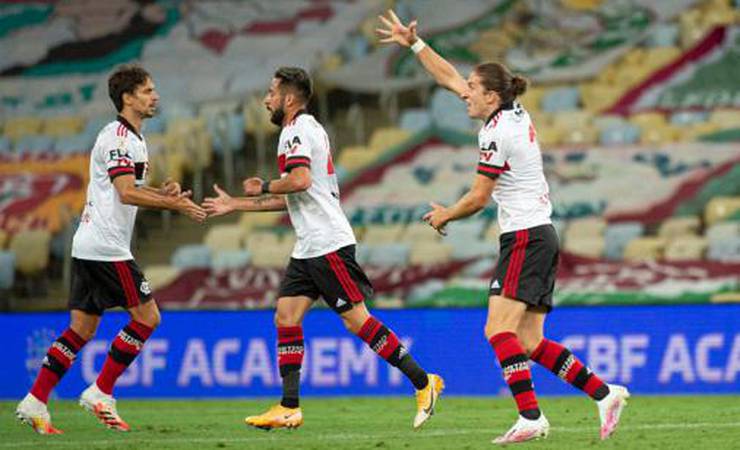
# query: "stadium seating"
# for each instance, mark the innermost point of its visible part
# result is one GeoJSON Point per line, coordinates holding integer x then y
{"type": "Point", "coordinates": [224, 237]}
{"type": "Point", "coordinates": [31, 249]}
{"type": "Point", "coordinates": [685, 248]}
{"type": "Point", "coordinates": [616, 237]}
{"type": "Point", "coordinates": [160, 276]}
{"type": "Point", "coordinates": [679, 226]}
{"type": "Point", "coordinates": [191, 257]}
{"type": "Point", "coordinates": [644, 248]}
{"type": "Point", "coordinates": [430, 252]}
{"type": "Point", "coordinates": [720, 208]}
{"type": "Point", "coordinates": [203, 113]}
{"type": "Point", "coordinates": [230, 259]}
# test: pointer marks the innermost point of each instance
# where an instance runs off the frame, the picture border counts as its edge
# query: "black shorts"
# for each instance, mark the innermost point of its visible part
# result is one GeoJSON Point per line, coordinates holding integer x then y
{"type": "Point", "coordinates": [527, 266]}
{"type": "Point", "coordinates": [335, 276]}
{"type": "Point", "coordinates": [100, 285]}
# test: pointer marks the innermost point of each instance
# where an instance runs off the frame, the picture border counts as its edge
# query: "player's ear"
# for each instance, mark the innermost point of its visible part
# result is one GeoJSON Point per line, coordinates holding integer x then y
{"type": "Point", "coordinates": [127, 98]}
{"type": "Point", "coordinates": [290, 98]}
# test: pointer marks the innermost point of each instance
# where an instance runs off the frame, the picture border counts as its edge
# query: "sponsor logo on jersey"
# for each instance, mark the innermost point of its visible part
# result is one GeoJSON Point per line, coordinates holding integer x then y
{"type": "Point", "coordinates": [144, 288]}
{"type": "Point", "coordinates": [491, 147]}
{"type": "Point", "coordinates": [495, 285]}
{"type": "Point", "coordinates": [340, 302]}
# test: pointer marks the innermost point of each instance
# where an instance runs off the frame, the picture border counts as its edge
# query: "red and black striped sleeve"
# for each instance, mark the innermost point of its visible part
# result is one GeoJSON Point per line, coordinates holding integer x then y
{"type": "Point", "coordinates": [491, 171]}
{"type": "Point", "coordinates": [114, 172]}
{"type": "Point", "coordinates": [297, 161]}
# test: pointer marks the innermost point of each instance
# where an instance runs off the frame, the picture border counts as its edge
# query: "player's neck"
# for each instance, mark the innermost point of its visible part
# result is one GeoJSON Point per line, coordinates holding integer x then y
{"type": "Point", "coordinates": [292, 114]}
{"type": "Point", "coordinates": [133, 119]}
{"type": "Point", "coordinates": [490, 111]}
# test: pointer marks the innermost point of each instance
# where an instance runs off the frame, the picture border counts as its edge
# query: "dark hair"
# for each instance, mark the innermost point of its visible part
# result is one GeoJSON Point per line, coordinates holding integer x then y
{"type": "Point", "coordinates": [296, 78]}
{"type": "Point", "coordinates": [125, 80]}
{"type": "Point", "coordinates": [496, 77]}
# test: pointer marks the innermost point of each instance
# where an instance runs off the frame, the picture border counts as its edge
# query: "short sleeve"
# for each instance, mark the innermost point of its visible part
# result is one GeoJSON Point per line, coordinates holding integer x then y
{"type": "Point", "coordinates": [492, 160]}
{"type": "Point", "coordinates": [119, 159]}
{"type": "Point", "coordinates": [297, 149]}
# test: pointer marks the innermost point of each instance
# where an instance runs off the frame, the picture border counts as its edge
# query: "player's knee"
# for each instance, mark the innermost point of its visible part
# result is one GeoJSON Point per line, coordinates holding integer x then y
{"type": "Point", "coordinates": [86, 333]}
{"type": "Point", "coordinates": [529, 341]}
{"type": "Point", "coordinates": [353, 326]}
{"type": "Point", "coordinates": [285, 319]}
{"type": "Point", "coordinates": [493, 328]}
{"type": "Point", "coordinates": [151, 318]}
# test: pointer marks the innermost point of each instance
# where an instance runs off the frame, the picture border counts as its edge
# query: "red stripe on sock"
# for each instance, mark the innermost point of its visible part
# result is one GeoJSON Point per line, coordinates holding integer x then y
{"type": "Point", "coordinates": [46, 380]}
{"type": "Point", "coordinates": [44, 384]}
{"type": "Point", "coordinates": [289, 334]}
{"type": "Point", "coordinates": [506, 345]}
{"type": "Point", "coordinates": [290, 359]}
{"type": "Point", "coordinates": [572, 373]}
{"type": "Point", "coordinates": [546, 354]}
{"type": "Point", "coordinates": [143, 330]}
{"type": "Point", "coordinates": [113, 369]}
{"type": "Point", "coordinates": [74, 339]}
{"type": "Point", "coordinates": [368, 329]}
{"type": "Point", "coordinates": [390, 346]}
{"type": "Point", "coordinates": [502, 348]}
{"type": "Point", "coordinates": [526, 400]}
{"type": "Point", "coordinates": [592, 384]}
{"type": "Point", "coordinates": [61, 357]}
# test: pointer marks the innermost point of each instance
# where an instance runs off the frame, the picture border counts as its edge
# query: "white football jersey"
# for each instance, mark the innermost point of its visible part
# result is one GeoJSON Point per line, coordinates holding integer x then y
{"type": "Point", "coordinates": [509, 152]}
{"type": "Point", "coordinates": [320, 224]}
{"type": "Point", "coordinates": [106, 225]}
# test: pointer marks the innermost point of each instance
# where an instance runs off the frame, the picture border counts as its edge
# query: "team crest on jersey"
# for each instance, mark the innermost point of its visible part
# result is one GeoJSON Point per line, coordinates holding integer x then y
{"type": "Point", "coordinates": [144, 288]}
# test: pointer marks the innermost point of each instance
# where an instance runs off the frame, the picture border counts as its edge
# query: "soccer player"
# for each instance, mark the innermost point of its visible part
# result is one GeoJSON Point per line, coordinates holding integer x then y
{"type": "Point", "coordinates": [104, 273]}
{"type": "Point", "coordinates": [510, 170]}
{"type": "Point", "coordinates": [323, 260]}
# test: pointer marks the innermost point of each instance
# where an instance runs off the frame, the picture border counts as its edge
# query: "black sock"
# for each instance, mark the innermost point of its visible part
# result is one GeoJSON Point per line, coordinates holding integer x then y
{"type": "Point", "coordinates": [291, 383]}
{"type": "Point", "coordinates": [413, 372]}
{"type": "Point", "coordinates": [531, 414]}
{"type": "Point", "coordinates": [385, 343]}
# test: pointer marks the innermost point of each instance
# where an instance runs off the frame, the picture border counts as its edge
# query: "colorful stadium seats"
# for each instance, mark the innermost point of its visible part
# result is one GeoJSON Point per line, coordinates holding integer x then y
{"type": "Point", "coordinates": [31, 250]}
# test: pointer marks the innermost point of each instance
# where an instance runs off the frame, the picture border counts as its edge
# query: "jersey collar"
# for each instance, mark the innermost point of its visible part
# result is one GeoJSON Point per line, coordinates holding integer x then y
{"type": "Point", "coordinates": [295, 117]}
{"type": "Point", "coordinates": [128, 125]}
{"type": "Point", "coordinates": [504, 107]}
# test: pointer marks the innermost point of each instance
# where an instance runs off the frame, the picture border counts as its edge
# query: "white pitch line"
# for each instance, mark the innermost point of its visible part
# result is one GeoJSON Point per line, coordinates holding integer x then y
{"type": "Point", "coordinates": [51, 441]}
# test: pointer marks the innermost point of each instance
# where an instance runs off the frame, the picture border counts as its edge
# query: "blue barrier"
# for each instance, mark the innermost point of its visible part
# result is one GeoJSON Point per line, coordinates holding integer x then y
{"type": "Point", "coordinates": [656, 350]}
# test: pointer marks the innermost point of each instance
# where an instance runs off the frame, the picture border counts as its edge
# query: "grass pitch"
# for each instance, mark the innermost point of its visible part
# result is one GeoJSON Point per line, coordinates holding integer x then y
{"type": "Point", "coordinates": [688, 422]}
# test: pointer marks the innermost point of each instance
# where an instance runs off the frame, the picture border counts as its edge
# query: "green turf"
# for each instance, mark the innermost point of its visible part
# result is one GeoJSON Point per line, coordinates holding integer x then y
{"type": "Point", "coordinates": [694, 422]}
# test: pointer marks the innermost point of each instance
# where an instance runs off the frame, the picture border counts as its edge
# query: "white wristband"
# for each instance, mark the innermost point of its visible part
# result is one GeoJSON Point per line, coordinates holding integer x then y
{"type": "Point", "coordinates": [418, 45]}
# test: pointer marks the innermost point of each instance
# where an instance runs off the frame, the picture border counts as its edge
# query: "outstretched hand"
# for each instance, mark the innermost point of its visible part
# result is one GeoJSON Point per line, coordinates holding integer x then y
{"type": "Point", "coordinates": [437, 218]}
{"type": "Point", "coordinates": [220, 205]}
{"type": "Point", "coordinates": [191, 209]}
{"type": "Point", "coordinates": [394, 31]}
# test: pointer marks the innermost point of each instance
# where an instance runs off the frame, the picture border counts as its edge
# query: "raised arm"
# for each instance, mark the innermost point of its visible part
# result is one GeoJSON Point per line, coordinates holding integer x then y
{"type": "Point", "coordinates": [443, 72]}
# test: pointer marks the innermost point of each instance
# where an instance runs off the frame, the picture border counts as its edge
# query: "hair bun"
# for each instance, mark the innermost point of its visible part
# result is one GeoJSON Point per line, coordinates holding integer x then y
{"type": "Point", "coordinates": [518, 85]}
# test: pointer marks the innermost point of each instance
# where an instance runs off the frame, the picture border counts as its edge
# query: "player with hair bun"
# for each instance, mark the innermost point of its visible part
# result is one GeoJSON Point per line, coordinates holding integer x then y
{"type": "Point", "coordinates": [510, 170]}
